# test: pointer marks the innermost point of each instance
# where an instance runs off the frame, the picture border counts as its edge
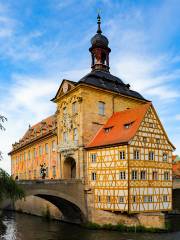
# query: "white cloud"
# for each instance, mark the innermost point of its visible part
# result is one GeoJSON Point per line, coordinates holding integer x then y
{"type": "Point", "coordinates": [148, 76]}
{"type": "Point", "coordinates": [27, 99]}
{"type": "Point", "coordinates": [26, 102]}
{"type": "Point", "coordinates": [177, 117]}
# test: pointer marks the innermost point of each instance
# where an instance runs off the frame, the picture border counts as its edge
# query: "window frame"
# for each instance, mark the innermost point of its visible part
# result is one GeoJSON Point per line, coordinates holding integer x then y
{"type": "Point", "coordinates": [121, 198]}
{"type": "Point", "coordinates": [165, 159]}
{"type": "Point", "coordinates": [122, 175]}
{"type": "Point", "coordinates": [93, 157]}
{"type": "Point", "coordinates": [151, 156]}
{"type": "Point", "coordinates": [145, 175]}
{"type": "Point", "coordinates": [136, 154]}
{"type": "Point", "coordinates": [75, 135]}
{"type": "Point", "coordinates": [133, 176]}
{"type": "Point", "coordinates": [122, 155]}
{"type": "Point", "coordinates": [166, 176]}
{"type": "Point", "coordinates": [101, 108]}
{"type": "Point", "coordinates": [46, 148]}
{"type": "Point", "coordinates": [93, 176]}
{"type": "Point", "coordinates": [53, 145]}
{"type": "Point", "coordinates": [74, 107]}
{"type": "Point", "coordinates": [155, 173]}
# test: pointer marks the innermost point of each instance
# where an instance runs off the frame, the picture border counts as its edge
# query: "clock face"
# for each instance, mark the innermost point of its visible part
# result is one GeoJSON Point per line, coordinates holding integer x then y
{"type": "Point", "coordinates": [65, 87]}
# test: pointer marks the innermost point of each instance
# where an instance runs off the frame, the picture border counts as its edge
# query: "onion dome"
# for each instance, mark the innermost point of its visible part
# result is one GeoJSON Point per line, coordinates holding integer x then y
{"type": "Point", "coordinates": [99, 50]}
{"type": "Point", "coordinates": [99, 40]}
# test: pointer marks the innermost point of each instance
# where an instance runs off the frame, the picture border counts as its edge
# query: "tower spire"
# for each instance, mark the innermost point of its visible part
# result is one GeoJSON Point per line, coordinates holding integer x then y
{"type": "Point", "coordinates": [99, 50]}
{"type": "Point", "coordinates": [99, 24]}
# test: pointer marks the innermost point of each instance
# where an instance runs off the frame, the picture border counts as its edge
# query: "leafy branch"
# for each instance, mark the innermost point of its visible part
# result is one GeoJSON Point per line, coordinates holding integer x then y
{"type": "Point", "coordinates": [2, 120]}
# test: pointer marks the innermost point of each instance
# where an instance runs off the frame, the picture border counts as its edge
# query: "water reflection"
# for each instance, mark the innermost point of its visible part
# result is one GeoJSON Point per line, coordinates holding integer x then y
{"type": "Point", "coordinates": [16, 226]}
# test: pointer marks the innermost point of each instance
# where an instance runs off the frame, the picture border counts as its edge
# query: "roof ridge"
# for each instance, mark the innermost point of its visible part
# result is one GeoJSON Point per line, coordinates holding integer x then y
{"type": "Point", "coordinates": [51, 116]}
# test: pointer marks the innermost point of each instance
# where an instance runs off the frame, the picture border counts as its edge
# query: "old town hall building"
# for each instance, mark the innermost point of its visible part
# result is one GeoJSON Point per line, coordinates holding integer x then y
{"type": "Point", "coordinates": [105, 134]}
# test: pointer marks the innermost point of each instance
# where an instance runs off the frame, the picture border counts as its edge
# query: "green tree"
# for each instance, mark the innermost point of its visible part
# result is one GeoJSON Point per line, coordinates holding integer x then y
{"type": "Point", "coordinates": [8, 187]}
{"type": "Point", "coordinates": [2, 120]}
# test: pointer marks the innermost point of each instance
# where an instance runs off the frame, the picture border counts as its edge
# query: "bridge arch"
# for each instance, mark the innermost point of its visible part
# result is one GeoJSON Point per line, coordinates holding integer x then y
{"type": "Point", "coordinates": [70, 208]}
{"type": "Point", "coordinates": [67, 195]}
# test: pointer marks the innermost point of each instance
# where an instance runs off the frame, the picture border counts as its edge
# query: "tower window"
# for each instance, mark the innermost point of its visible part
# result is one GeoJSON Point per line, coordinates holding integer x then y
{"type": "Point", "coordinates": [74, 107]}
{"type": "Point", "coordinates": [99, 198]}
{"type": "Point", "coordinates": [101, 107]}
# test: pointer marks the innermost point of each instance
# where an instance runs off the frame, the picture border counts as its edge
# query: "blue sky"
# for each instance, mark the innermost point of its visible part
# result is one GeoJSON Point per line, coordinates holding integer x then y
{"type": "Point", "coordinates": [44, 41]}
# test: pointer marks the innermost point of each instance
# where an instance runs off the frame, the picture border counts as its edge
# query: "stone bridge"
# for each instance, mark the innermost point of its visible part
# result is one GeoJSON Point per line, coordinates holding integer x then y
{"type": "Point", "coordinates": [67, 195]}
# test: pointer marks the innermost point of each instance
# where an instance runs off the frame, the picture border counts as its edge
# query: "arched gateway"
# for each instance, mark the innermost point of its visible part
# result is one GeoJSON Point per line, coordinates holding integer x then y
{"type": "Point", "coordinates": [67, 196]}
{"type": "Point", "coordinates": [69, 168]}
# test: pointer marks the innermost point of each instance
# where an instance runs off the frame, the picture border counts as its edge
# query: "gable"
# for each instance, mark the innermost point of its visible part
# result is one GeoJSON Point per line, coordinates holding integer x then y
{"type": "Point", "coordinates": [151, 133]}
{"type": "Point", "coordinates": [65, 87]}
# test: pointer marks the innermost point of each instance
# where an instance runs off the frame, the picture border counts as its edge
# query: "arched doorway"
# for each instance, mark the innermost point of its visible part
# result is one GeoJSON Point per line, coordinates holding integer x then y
{"type": "Point", "coordinates": [69, 168]}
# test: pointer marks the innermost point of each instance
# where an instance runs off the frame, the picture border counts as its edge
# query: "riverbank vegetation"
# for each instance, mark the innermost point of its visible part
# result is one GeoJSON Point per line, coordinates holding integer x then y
{"type": "Point", "coordinates": [9, 188]}
{"type": "Point", "coordinates": [123, 228]}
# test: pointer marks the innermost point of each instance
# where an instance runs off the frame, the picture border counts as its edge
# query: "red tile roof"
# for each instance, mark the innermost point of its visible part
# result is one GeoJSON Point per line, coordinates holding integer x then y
{"type": "Point", "coordinates": [121, 127]}
{"type": "Point", "coordinates": [46, 124]}
{"type": "Point", "coordinates": [36, 131]}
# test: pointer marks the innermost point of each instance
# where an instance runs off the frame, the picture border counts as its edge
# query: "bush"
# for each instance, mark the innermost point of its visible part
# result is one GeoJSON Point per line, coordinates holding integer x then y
{"type": "Point", "coordinates": [9, 188]}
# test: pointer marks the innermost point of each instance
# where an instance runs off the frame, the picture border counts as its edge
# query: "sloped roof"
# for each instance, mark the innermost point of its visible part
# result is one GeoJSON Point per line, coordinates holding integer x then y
{"type": "Point", "coordinates": [105, 80]}
{"type": "Point", "coordinates": [118, 124]}
{"type": "Point", "coordinates": [47, 122]}
{"type": "Point", "coordinates": [35, 132]}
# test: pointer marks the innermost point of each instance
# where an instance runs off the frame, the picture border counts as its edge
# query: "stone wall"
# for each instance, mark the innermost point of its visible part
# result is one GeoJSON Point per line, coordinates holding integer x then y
{"type": "Point", "coordinates": [148, 220]}
{"type": "Point", "coordinates": [33, 205]}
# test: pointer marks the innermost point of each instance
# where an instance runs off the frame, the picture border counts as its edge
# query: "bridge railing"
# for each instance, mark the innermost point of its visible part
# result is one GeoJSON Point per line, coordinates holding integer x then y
{"type": "Point", "coordinates": [50, 181]}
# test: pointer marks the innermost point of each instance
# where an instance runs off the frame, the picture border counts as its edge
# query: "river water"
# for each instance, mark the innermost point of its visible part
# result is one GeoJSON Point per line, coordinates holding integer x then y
{"type": "Point", "coordinates": [16, 226]}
